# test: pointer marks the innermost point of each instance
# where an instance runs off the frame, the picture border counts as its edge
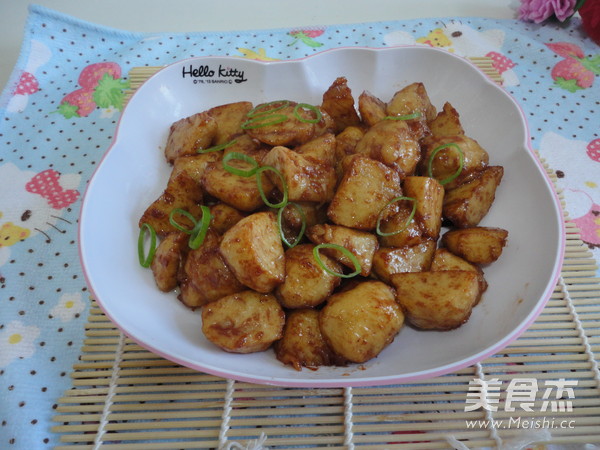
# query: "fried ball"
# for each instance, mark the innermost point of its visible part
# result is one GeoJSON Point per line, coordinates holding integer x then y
{"type": "Point", "coordinates": [245, 322]}
{"type": "Point", "coordinates": [359, 323]}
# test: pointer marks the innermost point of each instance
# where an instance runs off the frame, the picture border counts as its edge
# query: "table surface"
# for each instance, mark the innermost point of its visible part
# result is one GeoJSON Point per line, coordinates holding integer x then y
{"type": "Point", "coordinates": [204, 15]}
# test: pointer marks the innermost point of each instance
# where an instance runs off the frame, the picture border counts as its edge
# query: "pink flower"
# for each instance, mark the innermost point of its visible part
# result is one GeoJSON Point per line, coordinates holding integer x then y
{"type": "Point", "coordinates": [539, 10]}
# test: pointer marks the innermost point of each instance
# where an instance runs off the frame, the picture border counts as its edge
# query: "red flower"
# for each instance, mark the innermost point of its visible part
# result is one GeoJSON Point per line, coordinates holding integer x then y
{"type": "Point", "coordinates": [590, 18]}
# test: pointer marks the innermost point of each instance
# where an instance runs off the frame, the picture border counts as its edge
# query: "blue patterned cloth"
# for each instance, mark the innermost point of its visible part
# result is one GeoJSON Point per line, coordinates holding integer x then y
{"type": "Point", "coordinates": [59, 111]}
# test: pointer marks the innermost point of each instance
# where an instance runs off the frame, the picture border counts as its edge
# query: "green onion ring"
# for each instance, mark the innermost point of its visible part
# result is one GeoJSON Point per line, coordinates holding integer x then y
{"type": "Point", "coordinates": [145, 261]}
{"type": "Point", "coordinates": [185, 213]}
{"type": "Point", "coordinates": [216, 148]}
{"type": "Point", "coordinates": [261, 191]}
{"type": "Point", "coordinates": [404, 117]}
{"type": "Point", "coordinates": [460, 164]}
{"type": "Point", "coordinates": [241, 156]}
{"type": "Point", "coordinates": [263, 120]}
{"type": "Point", "coordinates": [346, 253]}
{"type": "Point", "coordinates": [198, 234]}
{"type": "Point", "coordinates": [312, 108]}
{"type": "Point", "coordinates": [410, 217]}
{"type": "Point", "coordinates": [257, 111]}
{"type": "Point", "coordinates": [280, 226]}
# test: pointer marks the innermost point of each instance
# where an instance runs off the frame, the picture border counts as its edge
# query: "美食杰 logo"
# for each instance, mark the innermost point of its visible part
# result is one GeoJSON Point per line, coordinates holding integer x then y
{"type": "Point", "coordinates": [522, 396]}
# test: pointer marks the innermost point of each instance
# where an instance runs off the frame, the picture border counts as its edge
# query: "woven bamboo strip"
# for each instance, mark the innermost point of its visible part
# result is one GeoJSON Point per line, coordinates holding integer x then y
{"type": "Point", "coordinates": [146, 446]}
{"type": "Point", "coordinates": [582, 266]}
{"type": "Point", "coordinates": [144, 397]}
{"type": "Point", "coordinates": [134, 408]}
{"type": "Point", "coordinates": [580, 253]}
{"type": "Point", "coordinates": [439, 420]}
{"type": "Point", "coordinates": [551, 326]}
{"type": "Point", "coordinates": [143, 436]}
{"type": "Point", "coordinates": [591, 301]}
{"type": "Point", "coordinates": [192, 379]}
{"type": "Point", "coordinates": [580, 263]}
{"type": "Point", "coordinates": [579, 295]}
{"type": "Point", "coordinates": [585, 397]}
{"type": "Point", "coordinates": [555, 302]}
{"type": "Point", "coordinates": [551, 314]}
{"type": "Point", "coordinates": [134, 353]}
{"type": "Point", "coordinates": [556, 360]}
{"type": "Point", "coordinates": [294, 433]}
{"type": "Point", "coordinates": [556, 368]}
{"type": "Point", "coordinates": [525, 341]}
{"type": "Point", "coordinates": [97, 326]}
{"type": "Point", "coordinates": [168, 370]}
{"type": "Point", "coordinates": [97, 340]}
{"type": "Point", "coordinates": [429, 438]}
{"type": "Point", "coordinates": [398, 394]}
{"type": "Point", "coordinates": [454, 427]}
{"type": "Point", "coordinates": [102, 333]}
{"type": "Point", "coordinates": [585, 316]}
{"type": "Point", "coordinates": [549, 334]}
{"type": "Point", "coordinates": [140, 360]}
{"type": "Point", "coordinates": [430, 441]}
{"type": "Point", "coordinates": [383, 393]}
{"type": "Point", "coordinates": [571, 277]}
{"type": "Point", "coordinates": [99, 391]}
{"type": "Point", "coordinates": [591, 288]}
{"type": "Point", "coordinates": [203, 424]}
{"type": "Point", "coordinates": [406, 416]}
{"type": "Point", "coordinates": [553, 317]}
{"type": "Point", "coordinates": [200, 413]}
{"type": "Point", "coordinates": [326, 423]}
{"type": "Point", "coordinates": [406, 441]}
{"type": "Point", "coordinates": [422, 410]}
{"type": "Point", "coordinates": [586, 309]}
{"type": "Point", "coordinates": [524, 350]}
{"type": "Point", "coordinates": [204, 433]}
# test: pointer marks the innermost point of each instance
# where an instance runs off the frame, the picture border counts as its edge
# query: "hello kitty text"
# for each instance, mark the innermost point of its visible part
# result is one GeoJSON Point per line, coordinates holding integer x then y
{"type": "Point", "coordinates": [205, 71]}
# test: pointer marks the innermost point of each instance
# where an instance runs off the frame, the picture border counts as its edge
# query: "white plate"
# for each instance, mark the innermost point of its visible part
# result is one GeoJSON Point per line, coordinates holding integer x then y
{"type": "Point", "coordinates": [133, 173]}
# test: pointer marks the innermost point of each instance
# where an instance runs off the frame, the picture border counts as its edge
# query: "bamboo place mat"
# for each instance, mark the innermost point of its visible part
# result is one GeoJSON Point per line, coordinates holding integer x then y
{"type": "Point", "coordinates": [125, 397]}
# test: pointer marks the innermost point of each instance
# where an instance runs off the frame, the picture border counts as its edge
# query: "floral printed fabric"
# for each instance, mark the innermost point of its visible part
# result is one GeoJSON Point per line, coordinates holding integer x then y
{"type": "Point", "coordinates": [59, 111]}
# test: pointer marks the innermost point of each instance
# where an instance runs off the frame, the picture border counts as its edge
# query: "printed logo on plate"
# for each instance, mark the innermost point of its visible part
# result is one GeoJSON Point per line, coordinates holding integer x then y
{"type": "Point", "coordinates": [207, 74]}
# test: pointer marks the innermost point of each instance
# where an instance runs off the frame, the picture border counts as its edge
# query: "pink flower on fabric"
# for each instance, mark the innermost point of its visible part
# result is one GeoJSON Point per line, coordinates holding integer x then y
{"type": "Point", "coordinates": [539, 10]}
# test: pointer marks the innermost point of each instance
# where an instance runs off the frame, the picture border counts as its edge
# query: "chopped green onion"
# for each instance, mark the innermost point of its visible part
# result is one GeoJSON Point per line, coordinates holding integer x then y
{"type": "Point", "coordinates": [404, 117]}
{"type": "Point", "coordinates": [280, 225]}
{"type": "Point", "coordinates": [264, 120]}
{"type": "Point", "coordinates": [258, 110]}
{"type": "Point", "coordinates": [217, 148]}
{"type": "Point", "coordinates": [243, 157]}
{"type": "Point", "coordinates": [200, 229]}
{"type": "Point", "coordinates": [312, 108]}
{"type": "Point", "coordinates": [261, 191]}
{"type": "Point", "coordinates": [460, 164]}
{"type": "Point", "coordinates": [410, 217]}
{"type": "Point", "coordinates": [145, 261]}
{"type": "Point", "coordinates": [182, 212]}
{"type": "Point", "coordinates": [345, 252]}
